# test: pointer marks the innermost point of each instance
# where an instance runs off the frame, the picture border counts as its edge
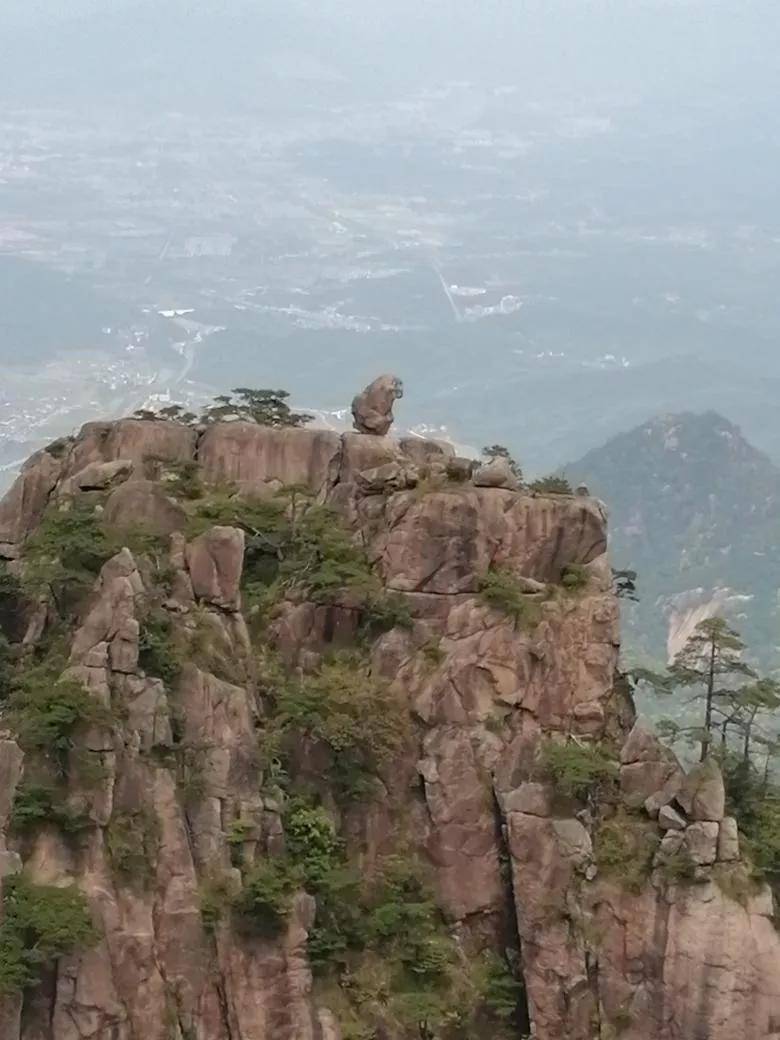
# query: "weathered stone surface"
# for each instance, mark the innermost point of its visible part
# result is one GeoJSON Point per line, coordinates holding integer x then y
{"type": "Point", "coordinates": [546, 856]}
{"type": "Point", "coordinates": [372, 410]}
{"type": "Point", "coordinates": [701, 842]}
{"type": "Point", "coordinates": [97, 476]}
{"type": "Point", "coordinates": [386, 479]}
{"type": "Point", "coordinates": [702, 795]}
{"type": "Point", "coordinates": [261, 459]}
{"type": "Point", "coordinates": [639, 781]}
{"type": "Point", "coordinates": [215, 561]}
{"type": "Point", "coordinates": [728, 840]}
{"type": "Point", "coordinates": [533, 798]}
{"type": "Point", "coordinates": [143, 505]}
{"type": "Point", "coordinates": [444, 542]}
{"type": "Point", "coordinates": [495, 474]}
{"type": "Point", "coordinates": [665, 794]}
{"type": "Point", "coordinates": [22, 507]}
{"type": "Point", "coordinates": [420, 450]}
{"type": "Point", "coordinates": [460, 469]}
{"type": "Point", "coordinates": [132, 440]}
{"type": "Point", "coordinates": [642, 744]}
{"type": "Point", "coordinates": [462, 842]}
{"type": "Point", "coordinates": [670, 820]}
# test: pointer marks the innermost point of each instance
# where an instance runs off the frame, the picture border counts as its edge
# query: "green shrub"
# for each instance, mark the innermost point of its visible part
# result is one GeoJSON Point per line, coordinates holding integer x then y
{"type": "Point", "coordinates": [575, 577]}
{"type": "Point", "coordinates": [759, 822]}
{"type": "Point", "coordinates": [501, 991]}
{"type": "Point", "coordinates": [238, 834]}
{"type": "Point", "coordinates": [323, 559]}
{"type": "Point", "coordinates": [39, 924]}
{"type": "Point", "coordinates": [132, 842]}
{"type": "Point", "coordinates": [183, 479]}
{"type": "Point", "coordinates": [735, 881]}
{"type": "Point", "coordinates": [433, 653]}
{"type": "Point", "coordinates": [679, 868]}
{"type": "Point", "coordinates": [494, 452]}
{"type": "Point", "coordinates": [37, 804]}
{"type": "Point", "coordinates": [357, 717]}
{"type": "Point", "coordinates": [312, 843]}
{"type": "Point", "coordinates": [551, 485]}
{"type": "Point", "coordinates": [46, 711]}
{"type": "Point", "coordinates": [266, 897]}
{"type": "Point", "coordinates": [6, 669]}
{"type": "Point", "coordinates": [265, 407]}
{"type": "Point", "coordinates": [577, 769]}
{"type": "Point", "coordinates": [11, 605]}
{"type": "Point", "coordinates": [624, 847]}
{"type": "Point", "coordinates": [65, 553]}
{"type": "Point", "coordinates": [158, 653]}
{"type": "Point", "coordinates": [385, 611]}
{"type": "Point", "coordinates": [214, 902]}
{"type": "Point", "coordinates": [500, 590]}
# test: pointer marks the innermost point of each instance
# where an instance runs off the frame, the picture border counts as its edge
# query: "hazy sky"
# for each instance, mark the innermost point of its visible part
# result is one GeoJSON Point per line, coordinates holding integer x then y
{"type": "Point", "coordinates": [634, 45]}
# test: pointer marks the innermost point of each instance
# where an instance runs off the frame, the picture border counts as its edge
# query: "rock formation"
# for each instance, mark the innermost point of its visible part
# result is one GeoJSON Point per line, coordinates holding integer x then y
{"type": "Point", "coordinates": [372, 409]}
{"type": "Point", "coordinates": [177, 802]}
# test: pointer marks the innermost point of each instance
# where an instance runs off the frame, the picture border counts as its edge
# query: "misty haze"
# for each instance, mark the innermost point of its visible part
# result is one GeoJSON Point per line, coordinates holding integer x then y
{"type": "Point", "coordinates": [554, 220]}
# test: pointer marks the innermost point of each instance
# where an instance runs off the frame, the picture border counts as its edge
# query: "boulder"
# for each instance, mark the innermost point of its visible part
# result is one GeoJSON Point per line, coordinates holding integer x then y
{"type": "Point", "coordinates": [640, 781]}
{"type": "Point", "coordinates": [215, 561]}
{"type": "Point", "coordinates": [372, 410]}
{"type": "Point", "coordinates": [642, 744]}
{"type": "Point", "coordinates": [421, 451]}
{"type": "Point", "coordinates": [670, 820]}
{"type": "Point", "coordinates": [700, 840]}
{"type": "Point", "coordinates": [144, 505]}
{"type": "Point", "coordinates": [702, 795]}
{"type": "Point", "coordinates": [665, 794]}
{"type": "Point", "coordinates": [97, 476]}
{"type": "Point", "coordinates": [671, 844]}
{"type": "Point", "coordinates": [533, 798]}
{"type": "Point", "coordinates": [384, 480]}
{"type": "Point", "coordinates": [728, 840]}
{"type": "Point", "coordinates": [495, 474]}
{"type": "Point", "coordinates": [460, 469]}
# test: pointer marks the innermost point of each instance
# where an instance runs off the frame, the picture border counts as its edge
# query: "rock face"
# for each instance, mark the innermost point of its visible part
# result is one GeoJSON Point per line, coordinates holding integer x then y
{"type": "Point", "coordinates": [372, 410]}
{"type": "Point", "coordinates": [186, 772]}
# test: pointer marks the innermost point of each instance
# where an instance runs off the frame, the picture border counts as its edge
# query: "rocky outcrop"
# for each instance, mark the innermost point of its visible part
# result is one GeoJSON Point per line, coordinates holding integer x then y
{"type": "Point", "coordinates": [23, 506]}
{"type": "Point", "coordinates": [372, 409]}
{"type": "Point", "coordinates": [261, 459]}
{"type": "Point", "coordinates": [215, 561]}
{"type": "Point", "coordinates": [496, 474]}
{"type": "Point", "coordinates": [189, 664]}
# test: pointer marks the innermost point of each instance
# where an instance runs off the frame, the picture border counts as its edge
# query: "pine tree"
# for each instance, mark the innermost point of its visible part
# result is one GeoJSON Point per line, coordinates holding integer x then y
{"type": "Point", "coordinates": [710, 661]}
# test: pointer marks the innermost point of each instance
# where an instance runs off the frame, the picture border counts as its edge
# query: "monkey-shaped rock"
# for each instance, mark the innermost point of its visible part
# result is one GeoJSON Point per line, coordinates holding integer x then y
{"type": "Point", "coordinates": [373, 409]}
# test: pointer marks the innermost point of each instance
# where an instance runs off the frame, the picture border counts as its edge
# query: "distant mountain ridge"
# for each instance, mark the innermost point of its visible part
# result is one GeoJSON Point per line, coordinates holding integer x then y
{"type": "Point", "coordinates": [695, 509]}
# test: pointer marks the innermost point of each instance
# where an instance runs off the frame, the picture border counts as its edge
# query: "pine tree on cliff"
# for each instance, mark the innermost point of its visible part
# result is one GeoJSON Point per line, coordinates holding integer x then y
{"type": "Point", "coordinates": [710, 661]}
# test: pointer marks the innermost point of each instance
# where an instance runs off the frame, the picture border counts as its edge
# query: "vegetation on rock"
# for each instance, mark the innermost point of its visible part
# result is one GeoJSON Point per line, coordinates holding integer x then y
{"type": "Point", "coordinates": [498, 451]}
{"type": "Point", "coordinates": [36, 805]}
{"type": "Point", "coordinates": [551, 485]}
{"type": "Point", "coordinates": [501, 590]}
{"type": "Point", "coordinates": [577, 769]}
{"type": "Point", "coordinates": [39, 924]}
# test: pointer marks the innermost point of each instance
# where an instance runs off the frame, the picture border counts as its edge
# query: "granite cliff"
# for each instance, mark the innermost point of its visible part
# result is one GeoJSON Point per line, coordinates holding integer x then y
{"type": "Point", "coordinates": [317, 737]}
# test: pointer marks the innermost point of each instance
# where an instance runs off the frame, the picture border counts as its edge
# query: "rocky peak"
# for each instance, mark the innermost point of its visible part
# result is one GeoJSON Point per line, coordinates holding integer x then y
{"type": "Point", "coordinates": [320, 737]}
{"type": "Point", "coordinates": [694, 507]}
